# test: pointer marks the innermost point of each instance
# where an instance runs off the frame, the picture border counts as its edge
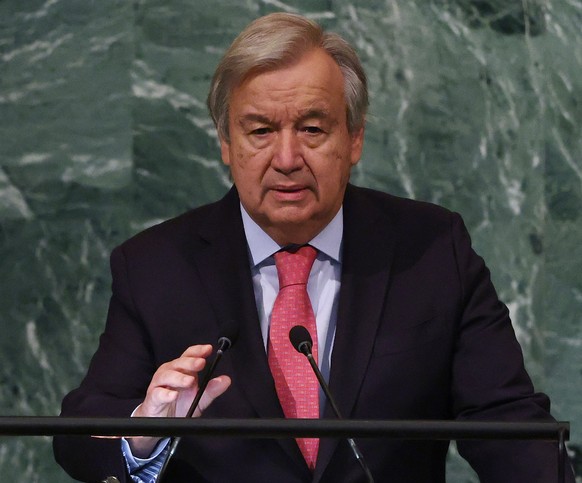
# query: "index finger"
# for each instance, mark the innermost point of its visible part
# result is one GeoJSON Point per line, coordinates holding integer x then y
{"type": "Point", "coordinates": [198, 350]}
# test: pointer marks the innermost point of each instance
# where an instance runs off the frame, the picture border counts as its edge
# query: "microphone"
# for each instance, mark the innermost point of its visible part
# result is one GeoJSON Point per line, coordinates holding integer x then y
{"type": "Point", "coordinates": [301, 339]}
{"type": "Point", "coordinates": [224, 343]}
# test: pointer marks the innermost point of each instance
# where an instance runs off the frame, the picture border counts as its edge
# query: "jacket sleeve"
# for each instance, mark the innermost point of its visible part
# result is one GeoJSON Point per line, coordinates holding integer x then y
{"type": "Point", "coordinates": [489, 379]}
{"type": "Point", "coordinates": [115, 384]}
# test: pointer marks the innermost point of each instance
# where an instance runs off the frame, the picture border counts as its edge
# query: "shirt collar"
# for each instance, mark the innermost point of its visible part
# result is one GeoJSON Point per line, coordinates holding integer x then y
{"type": "Point", "coordinates": [262, 246]}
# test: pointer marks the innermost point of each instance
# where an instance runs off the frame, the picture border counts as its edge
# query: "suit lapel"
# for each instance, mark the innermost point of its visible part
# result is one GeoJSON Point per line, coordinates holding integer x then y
{"type": "Point", "coordinates": [223, 265]}
{"type": "Point", "coordinates": [368, 248]}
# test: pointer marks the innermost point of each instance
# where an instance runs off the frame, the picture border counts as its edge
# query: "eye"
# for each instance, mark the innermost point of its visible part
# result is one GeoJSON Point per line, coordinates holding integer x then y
{"type": "Point", "coordinates": [312, 129]}
{"type": "Point", "coordinates": [261, 131]}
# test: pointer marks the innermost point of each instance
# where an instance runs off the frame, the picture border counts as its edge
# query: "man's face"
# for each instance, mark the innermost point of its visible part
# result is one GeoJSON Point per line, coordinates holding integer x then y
{"type": "Point", "coordinates": [290, 152]}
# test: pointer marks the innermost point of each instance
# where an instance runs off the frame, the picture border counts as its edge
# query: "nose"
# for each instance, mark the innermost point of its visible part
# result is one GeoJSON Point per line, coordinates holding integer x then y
{"type": "Point", "coordinates": [287, 156]}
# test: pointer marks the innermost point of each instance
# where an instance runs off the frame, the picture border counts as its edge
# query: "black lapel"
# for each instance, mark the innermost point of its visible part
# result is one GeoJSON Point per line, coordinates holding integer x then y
{"type": "Point", "coordinates": [368, 247]}
{"type": "Point", "coordinates": [223, 264]}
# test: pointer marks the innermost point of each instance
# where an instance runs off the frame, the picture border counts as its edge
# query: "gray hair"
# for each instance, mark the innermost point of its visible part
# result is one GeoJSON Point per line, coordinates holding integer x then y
{"type": "Point", "coordinates": [274, 41]}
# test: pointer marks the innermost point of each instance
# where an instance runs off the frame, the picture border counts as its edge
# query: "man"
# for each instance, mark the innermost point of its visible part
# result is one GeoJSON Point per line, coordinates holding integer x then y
{"type": "Point", "coordinates": [407, 323]}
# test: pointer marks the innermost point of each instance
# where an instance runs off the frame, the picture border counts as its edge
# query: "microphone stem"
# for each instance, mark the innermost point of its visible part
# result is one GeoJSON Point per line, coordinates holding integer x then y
{"type": "Point", "coordinates": [204, 383]}
{"type": "Point", "coordinates": [330, 399]}
{"type": "Point", "coordinates": [323, 384]}
{"type": "Point", "coordinates": [175, 441]}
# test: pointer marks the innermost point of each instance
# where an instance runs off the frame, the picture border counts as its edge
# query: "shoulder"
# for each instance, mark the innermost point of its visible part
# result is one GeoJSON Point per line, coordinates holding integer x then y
{"type": "Point", "coordinates": [400, 213]}
{"type": "Point", "coordinates": [188, 229]}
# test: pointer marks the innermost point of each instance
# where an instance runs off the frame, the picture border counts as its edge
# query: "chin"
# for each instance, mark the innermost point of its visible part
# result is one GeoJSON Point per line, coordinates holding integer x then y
{"type": "Point", "coordinates": [296, 219]}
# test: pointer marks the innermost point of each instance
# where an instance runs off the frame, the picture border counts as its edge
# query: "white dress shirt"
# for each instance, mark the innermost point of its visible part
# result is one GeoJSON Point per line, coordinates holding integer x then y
{"type": "Point", "coordinates": [323, 284]}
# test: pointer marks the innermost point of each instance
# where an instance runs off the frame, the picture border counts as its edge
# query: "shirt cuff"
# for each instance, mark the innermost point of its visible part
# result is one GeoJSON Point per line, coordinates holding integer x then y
{"type": "Point", "coordinates": [133, 462]}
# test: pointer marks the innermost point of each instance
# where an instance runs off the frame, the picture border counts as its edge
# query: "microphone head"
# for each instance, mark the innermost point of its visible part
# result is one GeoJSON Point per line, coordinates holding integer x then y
{"type": "Point", "coordinates": [224, 343]}
{"type": "Point", "coordinates": [299, 336]}
{"type": "Point", "coordinates": [230, 331]}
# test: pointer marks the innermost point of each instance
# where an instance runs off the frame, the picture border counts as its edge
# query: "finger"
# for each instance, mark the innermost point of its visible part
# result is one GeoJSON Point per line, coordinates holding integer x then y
{"type": "Point", "coordinates": [192, 361]}
{"type": "Point", "coordinates": [179, 372]}
{"type": "Point", "coordinates": [174, 379]}
{"type": "Point", "coordinates": [184, 364]}
{"type": "Point", "coordinates": [199, 350]}
{"type": "Point", "coordinates": [158, 403]}
{"type": "Point", "coordinates": [216, 387]}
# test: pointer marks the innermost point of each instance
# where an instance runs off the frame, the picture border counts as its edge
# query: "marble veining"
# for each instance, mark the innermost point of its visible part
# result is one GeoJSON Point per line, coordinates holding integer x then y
{"type": "Point", "coordinates": [476, 105]}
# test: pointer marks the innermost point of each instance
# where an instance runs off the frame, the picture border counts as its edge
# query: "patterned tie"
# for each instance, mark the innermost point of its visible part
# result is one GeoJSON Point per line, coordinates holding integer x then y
{"type": "Point", "coordinates": [296, 384]}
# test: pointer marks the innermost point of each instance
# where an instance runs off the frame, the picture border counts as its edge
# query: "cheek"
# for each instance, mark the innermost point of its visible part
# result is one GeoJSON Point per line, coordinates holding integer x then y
{"type": "Point", "coordinates": [333, 179]}
{"type": "Point", "coordinates": [247, 156]}
{"type": "Point", "coordinates": [238, 153]}
{"type": "Point", "coordinates": [247, 168]}
{"type": "Point", "coordinates": [342, 166]}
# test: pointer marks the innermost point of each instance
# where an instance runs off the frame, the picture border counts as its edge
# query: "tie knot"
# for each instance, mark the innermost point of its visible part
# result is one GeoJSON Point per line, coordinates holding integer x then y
{"type": "Point", "coordinates": [293, 267]}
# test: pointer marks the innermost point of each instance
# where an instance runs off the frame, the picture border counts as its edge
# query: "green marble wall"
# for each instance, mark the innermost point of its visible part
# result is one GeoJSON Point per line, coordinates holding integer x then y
{"type": "Point", "coordinates": [477, 105]}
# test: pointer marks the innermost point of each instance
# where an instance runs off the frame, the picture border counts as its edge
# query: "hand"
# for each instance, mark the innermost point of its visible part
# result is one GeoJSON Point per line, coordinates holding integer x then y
{"type": "Point", "coordinates": [172, 390]}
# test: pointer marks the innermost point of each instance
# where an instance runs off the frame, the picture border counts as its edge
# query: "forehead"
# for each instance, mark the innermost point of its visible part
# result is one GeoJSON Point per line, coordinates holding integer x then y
{"type": "Point", "coordinates": [312, 83]}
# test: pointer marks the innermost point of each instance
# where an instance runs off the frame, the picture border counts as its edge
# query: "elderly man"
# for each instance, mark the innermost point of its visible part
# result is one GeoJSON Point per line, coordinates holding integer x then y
{"type": "Point", "coordinates": [404, 319]}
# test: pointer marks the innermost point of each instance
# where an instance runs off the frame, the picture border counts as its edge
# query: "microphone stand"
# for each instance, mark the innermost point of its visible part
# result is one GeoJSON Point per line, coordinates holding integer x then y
{"type": "Point", "coordinates": [224, 343]}
{"type": "Point", "coordinates": [305, 348]}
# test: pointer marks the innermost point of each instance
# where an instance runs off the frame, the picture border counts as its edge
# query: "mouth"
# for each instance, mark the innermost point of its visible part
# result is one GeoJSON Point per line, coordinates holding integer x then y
{"type": "Point", "coordinates": [289, 193]}
{"type": "Point", "coordinates": [289, 189]}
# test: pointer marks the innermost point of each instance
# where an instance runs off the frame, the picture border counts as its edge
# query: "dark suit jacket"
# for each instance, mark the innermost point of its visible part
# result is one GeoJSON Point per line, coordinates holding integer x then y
{"type": "Point", "coordinates": [420, 334]}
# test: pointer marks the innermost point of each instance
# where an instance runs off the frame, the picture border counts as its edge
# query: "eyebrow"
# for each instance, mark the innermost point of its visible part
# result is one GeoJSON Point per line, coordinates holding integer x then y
{"type": "Point", "coordinates": [315, 114]}
{"type": "Point", "coordinates": [310, 114]}
{"type": "Point", "coordinates": [254, 118]}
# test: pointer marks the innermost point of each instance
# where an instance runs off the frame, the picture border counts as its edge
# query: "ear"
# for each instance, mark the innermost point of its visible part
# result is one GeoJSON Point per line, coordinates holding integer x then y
{"type": "Point", "coordinates": [225, 151]}
{"type": "Point", "coordinates": [357, 146]}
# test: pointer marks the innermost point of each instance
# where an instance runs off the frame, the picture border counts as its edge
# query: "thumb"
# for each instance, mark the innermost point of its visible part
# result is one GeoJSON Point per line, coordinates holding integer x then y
{"type": "Point", "coordinates": [216, 387]}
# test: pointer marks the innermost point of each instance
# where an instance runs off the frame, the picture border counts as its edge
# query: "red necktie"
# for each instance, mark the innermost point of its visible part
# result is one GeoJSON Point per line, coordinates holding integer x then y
{"type": "Point", "coordinates": [296, 384]}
